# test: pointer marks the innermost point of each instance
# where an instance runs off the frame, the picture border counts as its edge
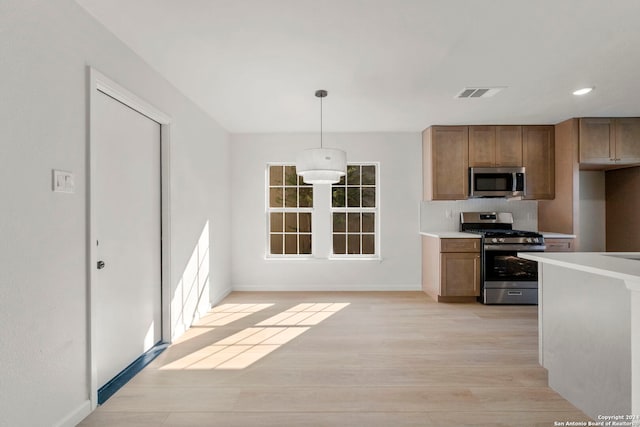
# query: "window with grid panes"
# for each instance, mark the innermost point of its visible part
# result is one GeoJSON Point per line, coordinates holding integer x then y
{"type": "Point", "coordinates": [354, 211]}
{"type": "Point", "coordinates": [289, 212]}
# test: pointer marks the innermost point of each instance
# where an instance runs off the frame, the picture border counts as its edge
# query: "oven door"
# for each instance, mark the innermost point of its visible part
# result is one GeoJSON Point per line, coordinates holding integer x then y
{"type": "Point", "coordinates": [507, 278]}
{"type": "Point", "coordinates": [503, 268]}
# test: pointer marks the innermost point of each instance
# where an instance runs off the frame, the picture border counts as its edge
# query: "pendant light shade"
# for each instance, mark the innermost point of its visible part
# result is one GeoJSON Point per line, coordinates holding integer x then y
{"type": "Point", "coordinates": [321, 165]}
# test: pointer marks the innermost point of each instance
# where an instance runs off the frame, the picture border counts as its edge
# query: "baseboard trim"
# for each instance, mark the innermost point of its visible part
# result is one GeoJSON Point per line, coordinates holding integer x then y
{"type": "Point", "coordinates": [328, 287]}
{"type": "Point", "coordinates": [108, 390]}
{"type": "Point", "coordinates": [220, 296]}
{"type": "Point", "coordinates": [74, 417]}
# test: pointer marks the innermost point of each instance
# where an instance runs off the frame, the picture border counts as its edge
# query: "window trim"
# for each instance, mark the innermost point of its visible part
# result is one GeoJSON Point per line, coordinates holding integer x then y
{"type": "Point", "coordinates": [376, 210]}
{"type": "Point", "coordinates": [269, 210]}
{"type": "Point", "coordinates": [321, 216]}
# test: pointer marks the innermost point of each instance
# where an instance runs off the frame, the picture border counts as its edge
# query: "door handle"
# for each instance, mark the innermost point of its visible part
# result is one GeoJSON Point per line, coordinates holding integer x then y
{"type": "Point", "coordinates": [100, 265]}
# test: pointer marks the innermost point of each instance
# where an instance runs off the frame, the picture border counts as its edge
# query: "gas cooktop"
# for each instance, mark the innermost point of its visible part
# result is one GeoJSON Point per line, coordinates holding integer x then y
{"type": "Point", "coordinates": [505, 233]}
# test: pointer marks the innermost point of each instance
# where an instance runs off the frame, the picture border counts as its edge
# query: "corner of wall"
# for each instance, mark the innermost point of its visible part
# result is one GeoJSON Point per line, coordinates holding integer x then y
{"type": "Point", "coordinates": [74, 417]}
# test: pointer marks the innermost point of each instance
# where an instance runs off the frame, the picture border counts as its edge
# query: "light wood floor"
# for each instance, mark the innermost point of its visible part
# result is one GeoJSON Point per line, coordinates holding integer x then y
{"type": "Point", "coordinates": [383, 359]}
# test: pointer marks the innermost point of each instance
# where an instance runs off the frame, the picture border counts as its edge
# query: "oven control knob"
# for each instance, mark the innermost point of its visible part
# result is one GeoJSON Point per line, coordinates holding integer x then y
{"type": "Point", "coordinates": [528, 239]}
{"type": "Point", "coordinates": [494, 240]}
{"type": "Point", "coordinates": [501, 240]}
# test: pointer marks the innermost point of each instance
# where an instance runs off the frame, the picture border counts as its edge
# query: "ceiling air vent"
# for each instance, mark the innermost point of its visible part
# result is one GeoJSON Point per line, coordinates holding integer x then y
{"type": "Point", "coordinates": [478, 92]}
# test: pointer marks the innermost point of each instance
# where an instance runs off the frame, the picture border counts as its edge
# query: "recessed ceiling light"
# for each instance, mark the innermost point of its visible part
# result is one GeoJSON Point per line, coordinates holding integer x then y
{"type": "Point", "coordinates": [583, 91]}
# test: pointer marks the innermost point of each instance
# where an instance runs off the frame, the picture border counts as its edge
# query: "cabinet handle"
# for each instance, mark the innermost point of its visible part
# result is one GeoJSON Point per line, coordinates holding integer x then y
{"type": "Point", "coordinates": [514, 293]}
{"type": "Point", "coordinates": [476, 276]}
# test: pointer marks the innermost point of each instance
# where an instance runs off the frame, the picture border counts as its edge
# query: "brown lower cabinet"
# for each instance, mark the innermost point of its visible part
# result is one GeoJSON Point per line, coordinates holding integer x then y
{"type": "Point", "coordinates": [559, 245]}
{"type": "Point", "coordinates": [451, 268]}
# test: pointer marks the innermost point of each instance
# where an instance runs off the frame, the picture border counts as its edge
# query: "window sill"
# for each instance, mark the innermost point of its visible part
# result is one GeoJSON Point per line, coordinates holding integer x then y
{"type": "Point", "coordinates": [324, 260]}
{"type": "Point", "coordinates": [341, 258]}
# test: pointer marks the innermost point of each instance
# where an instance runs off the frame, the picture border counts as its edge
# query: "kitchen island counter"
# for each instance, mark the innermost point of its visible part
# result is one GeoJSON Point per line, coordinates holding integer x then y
{"type": "Point", "coordinates": [619, 265]}
{"type": "Point", "coordinates": [589, 328]}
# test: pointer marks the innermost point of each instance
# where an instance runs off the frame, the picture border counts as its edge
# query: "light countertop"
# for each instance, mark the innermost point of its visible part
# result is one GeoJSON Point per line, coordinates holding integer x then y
{"type": "Point", "coordinates": [619, 265]}
{"type": "Point", "coordinates": [552, 235]}
{"type": "Point", "coordinates": [463, 235]}
{"type": "Point", "coordinates": [450, 234]}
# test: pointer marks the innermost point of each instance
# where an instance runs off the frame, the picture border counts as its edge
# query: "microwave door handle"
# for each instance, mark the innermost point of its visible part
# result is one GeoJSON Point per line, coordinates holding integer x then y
{"type": "Point", "coordinates": [514, 182]}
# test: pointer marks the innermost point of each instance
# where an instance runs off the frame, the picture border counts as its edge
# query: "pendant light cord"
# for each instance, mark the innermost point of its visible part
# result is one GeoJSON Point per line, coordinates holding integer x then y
{"type": "Point", "coordinates": [321, 93]}
{"type": "Point", "coordinates": [321, 122]}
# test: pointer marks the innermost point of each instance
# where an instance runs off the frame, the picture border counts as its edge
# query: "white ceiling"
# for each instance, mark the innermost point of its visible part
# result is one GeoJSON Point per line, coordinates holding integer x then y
{"type": "Point", "coordinates": [389, 65]}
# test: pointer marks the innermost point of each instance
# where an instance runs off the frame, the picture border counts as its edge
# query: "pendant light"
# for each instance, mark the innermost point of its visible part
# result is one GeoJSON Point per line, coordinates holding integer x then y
{"type": "Point", "coordinates": [321, 165]}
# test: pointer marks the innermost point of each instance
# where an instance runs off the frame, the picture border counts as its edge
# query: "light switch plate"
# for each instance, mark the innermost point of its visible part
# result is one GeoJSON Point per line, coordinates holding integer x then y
{"type": "Point", "coordinates": [63, 182]}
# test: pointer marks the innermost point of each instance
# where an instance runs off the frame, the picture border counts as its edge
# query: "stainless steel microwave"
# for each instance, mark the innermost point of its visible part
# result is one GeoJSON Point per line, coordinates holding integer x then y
{"type": "Point", "coordinates": [497, 182]}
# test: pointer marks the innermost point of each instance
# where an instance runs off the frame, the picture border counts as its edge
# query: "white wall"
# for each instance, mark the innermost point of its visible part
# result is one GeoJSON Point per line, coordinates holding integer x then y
{"type": "Point", "coordinates": [400, 157]}
{"type": "Point", "coordinates": [45, 48]}
{"type": "Point", "coordinates": [591, 211]}
{"type": "Point", "coordinates": [445, 215]}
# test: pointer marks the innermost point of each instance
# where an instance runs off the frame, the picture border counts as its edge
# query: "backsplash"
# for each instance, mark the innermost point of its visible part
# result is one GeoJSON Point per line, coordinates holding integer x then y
{"type": "Point", "coordinates": [445, 215]}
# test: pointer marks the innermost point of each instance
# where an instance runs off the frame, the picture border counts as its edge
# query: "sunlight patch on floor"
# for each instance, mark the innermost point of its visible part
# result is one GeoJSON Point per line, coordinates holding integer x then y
{"type": "Point", "coordinates": [308, 314]}
{"type": "Point", "coordinates": [249, 345]}
{"type": "Point", "coordinates": [220, 316]}
{"type": "Point", "coordinates": [226, 313]}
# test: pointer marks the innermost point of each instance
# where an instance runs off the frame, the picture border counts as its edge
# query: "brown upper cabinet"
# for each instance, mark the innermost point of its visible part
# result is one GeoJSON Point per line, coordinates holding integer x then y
{"type": "Point", "coordinates": [445, 162]}
{"type": "Point", "coordinates": [495, 146]}
{"type": "Point", "coordinates": [538, 158]}
{"type": "Point", "coordinates": [449, 151]}
{"type": "Point", "coordinates": [609, 142]}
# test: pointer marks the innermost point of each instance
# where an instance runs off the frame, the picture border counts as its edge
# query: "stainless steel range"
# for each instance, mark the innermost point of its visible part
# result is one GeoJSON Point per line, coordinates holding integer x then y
{"type": "Point", "coordinates": [505, 277]}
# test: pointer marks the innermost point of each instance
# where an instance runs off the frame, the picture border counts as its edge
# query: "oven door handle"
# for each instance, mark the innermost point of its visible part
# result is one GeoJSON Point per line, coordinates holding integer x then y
{"type": "Point", "coordinates": [518, 248]}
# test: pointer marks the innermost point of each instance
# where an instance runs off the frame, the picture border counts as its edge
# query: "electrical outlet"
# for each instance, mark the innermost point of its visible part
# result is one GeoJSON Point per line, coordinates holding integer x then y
{"type": "Point", "coordinates": [63, 182]}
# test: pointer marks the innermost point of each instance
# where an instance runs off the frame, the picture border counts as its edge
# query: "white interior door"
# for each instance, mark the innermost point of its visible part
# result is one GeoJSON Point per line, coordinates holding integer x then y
{"type": "Point", "coordinates": [127, 212]}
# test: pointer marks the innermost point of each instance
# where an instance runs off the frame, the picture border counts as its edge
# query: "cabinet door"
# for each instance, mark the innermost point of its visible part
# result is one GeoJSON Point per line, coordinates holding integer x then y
{"type": "Point", "coordinates": [460, 245]}
{"type": "Point", "coordinates": [448, 163]}
{"type": "Point", "coordinates": [460, 274]}
{"type": "Point", "coordinates": [627, 137]}
{"type": "Point", "coordinates": [508, 146]}
{"type": "Point", "coordinates": [622, 203]}
{"type": "Point", "coordinates": [482, 146]}
{"type": "Point", "coordinates": [538, 158]}
{"type": "Point", "coordinates": [596, 141]}
{"type": "Point", "coordinates": [559, 245]}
